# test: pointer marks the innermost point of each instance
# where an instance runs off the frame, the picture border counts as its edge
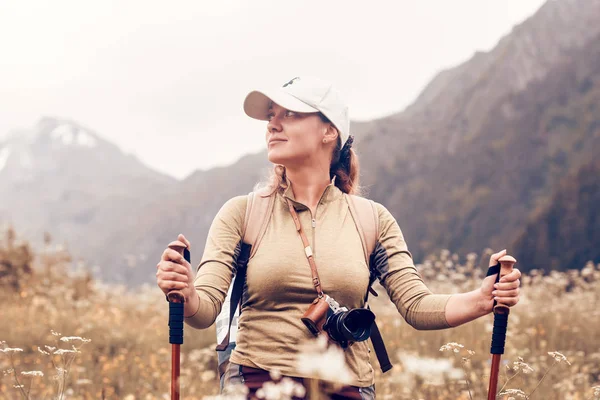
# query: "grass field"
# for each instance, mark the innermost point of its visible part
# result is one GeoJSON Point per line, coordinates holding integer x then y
{"type": "Point", "coordinates": [128, 354]}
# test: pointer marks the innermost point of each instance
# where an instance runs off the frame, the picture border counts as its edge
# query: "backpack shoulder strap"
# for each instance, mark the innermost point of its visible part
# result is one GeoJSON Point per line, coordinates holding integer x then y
{"type": "Point", "coordinates": [366, 219]}
{"type": "Point", "coordinates": [258, 213]}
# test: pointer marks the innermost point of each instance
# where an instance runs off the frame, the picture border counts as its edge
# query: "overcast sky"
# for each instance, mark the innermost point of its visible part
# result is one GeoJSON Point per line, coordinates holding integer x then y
{"type": "Point", "coordinates": [166, 80]}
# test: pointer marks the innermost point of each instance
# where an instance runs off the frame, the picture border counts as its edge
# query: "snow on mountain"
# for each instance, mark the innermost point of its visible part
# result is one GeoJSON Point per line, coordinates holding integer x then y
{"type": "Point", "coordinates": [69, 134]}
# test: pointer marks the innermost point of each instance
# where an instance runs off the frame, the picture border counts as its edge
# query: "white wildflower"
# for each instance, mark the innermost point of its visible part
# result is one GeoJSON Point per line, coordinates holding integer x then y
{"type": "Point", "coordinates": [558, 357]}
{"type": "Point", "coordinates": [54, 333]}
{"type": "Point", "coordinates": [521, 366]}
{"type": "Point", "coordinates": [32, 373]}
{"type": "Point", "coordinates": [283, 390]}
{"type": "Point", "coordinates": [324, 362]}
{"type": "Point", "coordinates": [74, 338]}
{"type": "Point", "coordinates": [452, 346]}
{"type": "Point", "coordinates": [18, 386]}
{"type": "Point", "coordinates": [11, 350]}
{"type": "Point", "coordinates": [60, 352]}
{"type": "Point", "coordinates": [515, 392]}
{"type": "Point", "coordinates": [275, 374]}
{"type": "Point", "coordinates": [43, 351]}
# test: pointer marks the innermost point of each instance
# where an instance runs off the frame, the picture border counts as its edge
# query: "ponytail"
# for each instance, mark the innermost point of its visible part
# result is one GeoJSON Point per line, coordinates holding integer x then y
{"type": "Point", "coordinates": [345, 168]}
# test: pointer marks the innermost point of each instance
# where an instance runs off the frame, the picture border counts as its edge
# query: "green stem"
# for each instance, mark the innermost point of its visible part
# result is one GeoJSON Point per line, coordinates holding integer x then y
{"type": "Point", "coordinates": [545, 373]}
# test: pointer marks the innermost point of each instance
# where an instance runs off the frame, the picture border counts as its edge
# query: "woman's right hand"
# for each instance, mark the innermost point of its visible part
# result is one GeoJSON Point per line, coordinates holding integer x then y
{"type": "Point", "coordinates": [173, 271]}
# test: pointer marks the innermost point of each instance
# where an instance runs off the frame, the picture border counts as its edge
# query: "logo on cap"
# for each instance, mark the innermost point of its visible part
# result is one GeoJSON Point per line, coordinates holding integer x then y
{"type": "Point", "coordinates": [290, 82]}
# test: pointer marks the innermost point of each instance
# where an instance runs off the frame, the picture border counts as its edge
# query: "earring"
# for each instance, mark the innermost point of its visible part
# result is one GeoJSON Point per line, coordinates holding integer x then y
{"type": "Point", "coordinates": [324, 140]}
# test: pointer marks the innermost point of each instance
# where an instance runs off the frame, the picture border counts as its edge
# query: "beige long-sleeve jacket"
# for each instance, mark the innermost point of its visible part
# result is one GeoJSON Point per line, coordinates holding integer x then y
{"type": "Point", "coordinates": [279, 285]}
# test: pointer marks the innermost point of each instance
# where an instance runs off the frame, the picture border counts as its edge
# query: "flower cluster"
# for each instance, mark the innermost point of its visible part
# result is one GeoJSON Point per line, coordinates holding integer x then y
{"type": "Point", "coordinates": [452, 346]}
{"type": "Point", "coordinates": [558, 357]}
{"type": "Point", "coordinates": [521, 366]}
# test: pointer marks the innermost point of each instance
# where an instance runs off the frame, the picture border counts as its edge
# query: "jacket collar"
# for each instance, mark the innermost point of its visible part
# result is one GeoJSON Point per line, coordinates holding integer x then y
{"type": "Point", "coordinates": [330, 194]}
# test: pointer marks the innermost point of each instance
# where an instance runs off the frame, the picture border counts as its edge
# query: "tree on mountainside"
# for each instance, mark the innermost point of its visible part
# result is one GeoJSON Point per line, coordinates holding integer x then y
{"type": "Point", "coordinates": [567, 232]}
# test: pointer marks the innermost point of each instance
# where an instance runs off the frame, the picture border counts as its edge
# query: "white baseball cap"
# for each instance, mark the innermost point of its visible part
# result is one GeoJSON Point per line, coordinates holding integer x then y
{"type": "Point", "coordinates": [302, 94]}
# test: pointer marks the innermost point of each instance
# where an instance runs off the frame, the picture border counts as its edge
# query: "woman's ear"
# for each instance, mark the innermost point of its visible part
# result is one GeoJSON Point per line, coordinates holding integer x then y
{"type": "Point", "coordinates": [331, 134]}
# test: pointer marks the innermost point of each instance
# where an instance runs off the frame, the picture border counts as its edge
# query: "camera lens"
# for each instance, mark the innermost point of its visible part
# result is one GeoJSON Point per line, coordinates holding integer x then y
{"type": "Point", "coordinates": [350, 326]}
{"type": "Point", "coordinates": [356, 324]}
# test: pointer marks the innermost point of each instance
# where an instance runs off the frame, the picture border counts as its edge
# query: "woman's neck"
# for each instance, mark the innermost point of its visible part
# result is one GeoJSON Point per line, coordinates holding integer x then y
{"type": "Point", "coordinates": [308, 185]}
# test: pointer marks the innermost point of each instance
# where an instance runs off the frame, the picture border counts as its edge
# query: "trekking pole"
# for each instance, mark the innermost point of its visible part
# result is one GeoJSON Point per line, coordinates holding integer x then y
{"type": "Point", "coordinates": [501, 312]}
{"type": "Point", "coordinates": [176, 303]}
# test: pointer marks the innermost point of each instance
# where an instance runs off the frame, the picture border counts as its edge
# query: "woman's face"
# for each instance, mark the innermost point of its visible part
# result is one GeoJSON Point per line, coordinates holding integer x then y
{"type": "Point", "coordinates": [294, 138]}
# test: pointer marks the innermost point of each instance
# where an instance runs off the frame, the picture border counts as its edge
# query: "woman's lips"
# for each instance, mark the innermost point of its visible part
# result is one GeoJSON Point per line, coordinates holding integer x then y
{"type": "Point", "coordinates": [272, 142]}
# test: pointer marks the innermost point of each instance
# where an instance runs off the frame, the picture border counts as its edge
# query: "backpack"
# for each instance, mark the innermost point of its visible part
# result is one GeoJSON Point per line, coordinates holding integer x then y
{"type": "Point", "coordinates": [258, 212]}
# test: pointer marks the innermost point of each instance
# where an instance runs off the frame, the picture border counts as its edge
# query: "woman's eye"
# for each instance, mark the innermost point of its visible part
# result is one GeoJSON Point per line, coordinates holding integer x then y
{"type": "Point", "coordinates": [289, 113]}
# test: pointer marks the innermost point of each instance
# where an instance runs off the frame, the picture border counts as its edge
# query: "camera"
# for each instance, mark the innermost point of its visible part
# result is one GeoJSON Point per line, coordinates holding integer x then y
{"type": "Point", "coordinates": [342, 325]}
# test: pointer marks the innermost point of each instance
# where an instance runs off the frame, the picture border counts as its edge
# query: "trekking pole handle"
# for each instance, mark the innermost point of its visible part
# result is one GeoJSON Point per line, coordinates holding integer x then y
{"type": "Point", "coordinates": [501, 311]}
{"type": "Point", "coordinates": [506, 267]}
{"type": "Point", "coordinates": [176, 301]}
{"type": "Point", "coordinates": [176, 296]}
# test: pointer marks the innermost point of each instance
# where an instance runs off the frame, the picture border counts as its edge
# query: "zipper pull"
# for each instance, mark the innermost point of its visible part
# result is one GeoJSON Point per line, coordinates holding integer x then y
{"type": "Point", "coordinates": [314, 223]}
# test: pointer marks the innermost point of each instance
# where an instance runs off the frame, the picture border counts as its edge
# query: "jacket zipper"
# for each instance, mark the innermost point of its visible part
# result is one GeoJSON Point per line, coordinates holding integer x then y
{"type": "Point", "coordinates": [313, 223]}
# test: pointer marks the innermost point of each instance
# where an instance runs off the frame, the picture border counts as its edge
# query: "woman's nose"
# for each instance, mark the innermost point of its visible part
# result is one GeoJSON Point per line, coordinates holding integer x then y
{"type": "Point", "coordinates": [274, 125]}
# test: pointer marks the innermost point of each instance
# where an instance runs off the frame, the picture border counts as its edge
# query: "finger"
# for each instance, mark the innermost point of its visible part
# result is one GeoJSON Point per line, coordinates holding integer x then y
{"type": "Point", "coordinates": [508, 301]}
{"type": "Point", "coordinates": [506, 293]}
{"type": "Point", "coordinates": [177, 245]}
{"type": "Point", "coordinates": [167, 285]}
{"type": "Point", "coordinates": [183, 239]}
{"type": "Point", "coordinates": [508, 285]}
{"type": "Point", "coordinates": [174, 256]}
{"type": "Point", "coordinates": [173, 276]}
{"type": "Point", "coordinates": [494, 258]}
{"type": "Point", "coordinates": [512, 276]}
{"type": "Point", "coordinates": [170, 266]}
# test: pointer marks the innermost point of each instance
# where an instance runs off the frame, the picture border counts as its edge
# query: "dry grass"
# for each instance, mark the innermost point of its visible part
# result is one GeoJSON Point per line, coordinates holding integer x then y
{"type": "Point", "coordinates": [129, 355]}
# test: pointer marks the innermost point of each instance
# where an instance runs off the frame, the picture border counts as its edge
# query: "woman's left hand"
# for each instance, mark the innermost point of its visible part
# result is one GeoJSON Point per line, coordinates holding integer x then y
{"type": "Point", "coordinates": [506, 291]}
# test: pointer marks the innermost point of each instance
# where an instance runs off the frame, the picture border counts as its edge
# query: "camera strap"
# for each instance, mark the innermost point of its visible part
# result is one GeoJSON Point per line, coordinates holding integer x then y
{"type": "Point", "coordinates": [307, 250]}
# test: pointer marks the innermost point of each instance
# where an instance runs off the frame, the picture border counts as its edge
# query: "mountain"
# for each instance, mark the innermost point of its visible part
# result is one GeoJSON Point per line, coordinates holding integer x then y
{"type": "Point", "coordinates": [567, 230]}
{"type": "Point", "coordinates": [63, 178]}
{"type": "Point", "coordinates": [496, 152]}
{"type": "Point", "coordinates": [487, 143]}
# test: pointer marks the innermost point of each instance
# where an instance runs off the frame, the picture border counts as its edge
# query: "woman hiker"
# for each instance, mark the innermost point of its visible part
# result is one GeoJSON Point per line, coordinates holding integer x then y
{"type": "Point", "coordinates": [315, 169]}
